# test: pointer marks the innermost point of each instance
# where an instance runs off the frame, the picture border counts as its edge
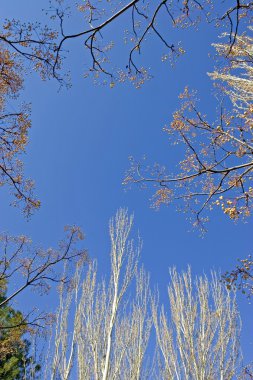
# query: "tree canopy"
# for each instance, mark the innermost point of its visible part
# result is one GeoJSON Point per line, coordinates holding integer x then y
{"type": "Point", "coordinates": [110, 333]}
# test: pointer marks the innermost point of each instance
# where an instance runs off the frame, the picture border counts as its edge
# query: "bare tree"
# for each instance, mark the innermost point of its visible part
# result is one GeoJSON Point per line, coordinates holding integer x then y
{"type": "Point", "coordinates": [35, 268]}
{"type": "Point", "coordinates": [24, 267]}
{"type": "Point", "coordinates": [109, 333]}
{"type": "Point", "coordinates": [44, 48]}
{"type": "Point", "coordinates": [216, 169]}
{"type": "Point", "coordinates": [102, 331]}
{"type": "Point", "coordinates": [200, 338]}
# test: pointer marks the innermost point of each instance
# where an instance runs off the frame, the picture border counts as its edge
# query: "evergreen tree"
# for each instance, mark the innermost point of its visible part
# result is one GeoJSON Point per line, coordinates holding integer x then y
{"type": "Point", "coordinates": [15, 362]}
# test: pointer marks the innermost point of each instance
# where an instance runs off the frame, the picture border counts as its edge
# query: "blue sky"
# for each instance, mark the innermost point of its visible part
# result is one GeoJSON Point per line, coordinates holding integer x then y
{"type": "Point", "coordinates": [79, 146]}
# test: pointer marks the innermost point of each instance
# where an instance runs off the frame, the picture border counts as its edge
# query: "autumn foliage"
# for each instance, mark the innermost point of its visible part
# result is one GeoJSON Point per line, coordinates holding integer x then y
{"type": "Point", "coordinates": [217, 168]}
{"type": "Point", "coordinates": [14, 127]}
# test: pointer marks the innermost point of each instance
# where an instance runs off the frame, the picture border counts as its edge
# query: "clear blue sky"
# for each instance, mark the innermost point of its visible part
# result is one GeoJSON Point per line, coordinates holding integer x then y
{"type": "Point", "coordinates": [78, 152]}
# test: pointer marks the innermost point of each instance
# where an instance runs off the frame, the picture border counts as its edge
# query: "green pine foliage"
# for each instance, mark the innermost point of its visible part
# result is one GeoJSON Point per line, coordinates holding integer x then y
{"type": "Point", "coordinates": [15, 362]}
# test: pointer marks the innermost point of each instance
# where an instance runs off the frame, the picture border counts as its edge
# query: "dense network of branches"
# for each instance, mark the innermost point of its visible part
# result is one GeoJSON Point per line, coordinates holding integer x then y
{"type": "Point", "coordinates": [200, 337]}
{"type": "Point", "coordinates": [110, 330]}
{"type": "Point", "coordinates": [108, 335]}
